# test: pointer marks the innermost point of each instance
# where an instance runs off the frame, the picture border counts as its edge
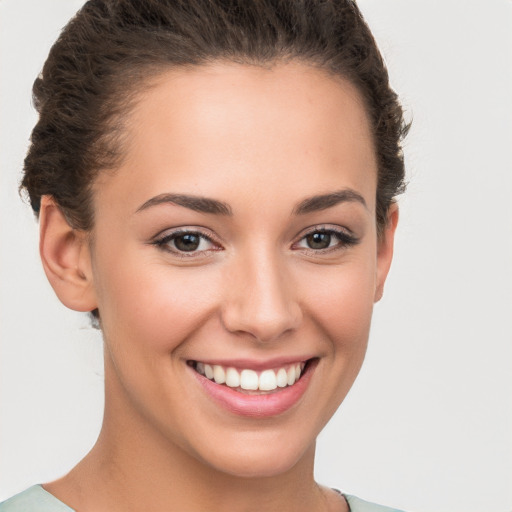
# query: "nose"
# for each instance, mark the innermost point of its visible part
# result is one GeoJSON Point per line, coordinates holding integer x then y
{"type": "Point", "coordinates": [260, 299]}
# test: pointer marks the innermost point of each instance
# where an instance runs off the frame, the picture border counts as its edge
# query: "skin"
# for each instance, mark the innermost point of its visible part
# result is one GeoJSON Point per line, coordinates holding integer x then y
{"type": "Point", "coordinates": [260, 140]}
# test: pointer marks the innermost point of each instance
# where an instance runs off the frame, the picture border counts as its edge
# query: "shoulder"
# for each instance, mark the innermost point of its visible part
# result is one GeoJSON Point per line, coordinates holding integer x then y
{"type": "Point", "coordinates": [34, 499]}
{"type": "Point", "coordinates": [359, 505]}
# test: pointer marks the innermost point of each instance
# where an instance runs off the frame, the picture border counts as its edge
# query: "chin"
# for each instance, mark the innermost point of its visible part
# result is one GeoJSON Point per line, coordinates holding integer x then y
{"type": "Point", "coordinates": [261, 460]}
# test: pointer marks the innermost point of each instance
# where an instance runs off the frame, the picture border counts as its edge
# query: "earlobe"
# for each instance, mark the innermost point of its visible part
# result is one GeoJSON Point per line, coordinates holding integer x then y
{"type": "Point", "coordinates": [66, 258]}
{"type": "Point", "coordinates": [385, 246]}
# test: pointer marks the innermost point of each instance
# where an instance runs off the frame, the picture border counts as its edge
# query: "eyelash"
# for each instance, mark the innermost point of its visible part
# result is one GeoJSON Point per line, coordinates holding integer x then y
{"type": "Point", "coordinates": [164, 241]}
{"type": "Point", "coordinates": [344, 240]}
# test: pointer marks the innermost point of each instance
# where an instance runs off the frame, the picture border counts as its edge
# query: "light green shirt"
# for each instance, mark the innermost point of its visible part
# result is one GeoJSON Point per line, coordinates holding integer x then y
{"type": "Point", "coordinates": [36, 499]}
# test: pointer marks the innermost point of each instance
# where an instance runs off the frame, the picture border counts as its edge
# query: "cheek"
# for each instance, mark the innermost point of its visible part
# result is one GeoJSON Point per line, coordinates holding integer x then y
{"type": "Point", "coordinates": [341, 301]}
{"type": "Point", "coordinates": [151, 304]}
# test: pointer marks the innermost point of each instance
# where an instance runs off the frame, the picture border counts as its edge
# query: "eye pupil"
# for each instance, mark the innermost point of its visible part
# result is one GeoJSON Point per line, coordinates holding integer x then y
{"type": "Point", "coordinates": [318, 240]}
{"type": "Point", "coordinates": [188, 242]}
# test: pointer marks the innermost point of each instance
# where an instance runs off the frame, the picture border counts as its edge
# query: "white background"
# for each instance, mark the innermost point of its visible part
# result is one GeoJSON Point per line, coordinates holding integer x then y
{"type": "Point", "coordinates": [428, 424]}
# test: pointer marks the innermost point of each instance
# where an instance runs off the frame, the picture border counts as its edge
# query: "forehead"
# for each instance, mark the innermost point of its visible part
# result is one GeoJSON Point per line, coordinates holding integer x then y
{"type": "Point", "coordinates": [204, 129]}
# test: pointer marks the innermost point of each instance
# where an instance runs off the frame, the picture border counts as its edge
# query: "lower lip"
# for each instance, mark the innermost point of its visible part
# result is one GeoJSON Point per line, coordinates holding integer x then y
{"type": "Point", "coordinates": [257, 406]}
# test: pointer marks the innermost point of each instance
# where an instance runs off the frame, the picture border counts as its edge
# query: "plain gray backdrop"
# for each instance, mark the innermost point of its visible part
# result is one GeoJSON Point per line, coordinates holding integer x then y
{"type": "Point", "coordinates": [428, 424]}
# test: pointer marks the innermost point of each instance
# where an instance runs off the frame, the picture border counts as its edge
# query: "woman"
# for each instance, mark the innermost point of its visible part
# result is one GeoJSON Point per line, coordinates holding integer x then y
{"type": "Point", "coordinates": [215, 184]}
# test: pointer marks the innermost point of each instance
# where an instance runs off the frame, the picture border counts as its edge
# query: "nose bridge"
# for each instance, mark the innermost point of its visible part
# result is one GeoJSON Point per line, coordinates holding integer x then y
{"type": "Point", "coordinates": [261, 301]}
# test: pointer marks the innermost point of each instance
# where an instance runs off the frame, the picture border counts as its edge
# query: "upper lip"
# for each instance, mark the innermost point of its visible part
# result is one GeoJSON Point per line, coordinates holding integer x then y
{"type": "Point", "coordinates": [255, 364]}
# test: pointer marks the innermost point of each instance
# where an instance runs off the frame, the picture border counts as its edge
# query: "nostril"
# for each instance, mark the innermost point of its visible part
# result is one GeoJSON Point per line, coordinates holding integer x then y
{"type": "Point", "coordinates": [263, 328]}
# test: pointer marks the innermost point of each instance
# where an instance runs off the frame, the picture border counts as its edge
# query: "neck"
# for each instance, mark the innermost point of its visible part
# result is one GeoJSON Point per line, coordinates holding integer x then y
{"type": "Point", "coordinates": [150, 476]}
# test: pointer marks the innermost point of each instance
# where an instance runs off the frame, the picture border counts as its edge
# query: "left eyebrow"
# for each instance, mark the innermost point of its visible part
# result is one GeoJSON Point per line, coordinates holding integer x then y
{"type": "Point", "coordinates": [324, 201]}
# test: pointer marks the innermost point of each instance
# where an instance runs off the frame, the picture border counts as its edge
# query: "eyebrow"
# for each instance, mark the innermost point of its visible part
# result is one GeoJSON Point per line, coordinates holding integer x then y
{"type": "Point", "coordinates": [324, 201]}
{"type": "Point", "coordinates": [215, 207]}
{"type": "Point", "coordinates": [198, 204]}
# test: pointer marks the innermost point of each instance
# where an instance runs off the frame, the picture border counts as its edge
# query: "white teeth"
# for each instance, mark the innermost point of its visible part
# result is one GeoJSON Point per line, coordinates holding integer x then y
{"type": "Point", "coordinates": [232, 378]}
{"type": "Point", "coordinates": [249, 380]}
{"type": "Point", "coordinates": [219, 374]}
{"type": "Point", "coordinates": [291, 375]}
{"type": "Point", "coordinates": [208, 371]}
{"type": "Point", "coordinates": [267, 380]}
{"type": "Point", "coordinates": [282, 378]}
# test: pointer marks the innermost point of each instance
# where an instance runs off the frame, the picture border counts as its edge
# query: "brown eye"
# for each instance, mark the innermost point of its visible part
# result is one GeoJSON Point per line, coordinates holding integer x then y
{"type": "Point", "coordinates": [188, 242]}
{"type": "Point", "coordinates": [318, 240]}
{"type": "Point", "coordinates": [323, 240]}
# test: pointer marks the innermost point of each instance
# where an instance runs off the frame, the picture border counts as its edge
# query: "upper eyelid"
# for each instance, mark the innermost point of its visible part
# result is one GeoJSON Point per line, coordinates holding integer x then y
{"type": "Point", "coordinates": [164, 239]}
{"type": "Point", "coordinates": [343, 233]}
{"type": "Point", "coordinates": [203, 232]}
{"type": "Point", "coordinates": [327, 228]}
{"type": "Point", "coordinates": [215, 239]}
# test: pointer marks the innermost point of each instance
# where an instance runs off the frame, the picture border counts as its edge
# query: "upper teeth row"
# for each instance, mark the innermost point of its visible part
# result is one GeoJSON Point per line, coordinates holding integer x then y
{"type": "Point", "coordinates": [267, 380]}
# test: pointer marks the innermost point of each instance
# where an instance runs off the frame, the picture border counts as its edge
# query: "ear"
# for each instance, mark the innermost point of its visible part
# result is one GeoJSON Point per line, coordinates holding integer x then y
{"type": "Point", "coordinates": [385, 251]}
{"type": "Point", "coordinates": [66, 258]}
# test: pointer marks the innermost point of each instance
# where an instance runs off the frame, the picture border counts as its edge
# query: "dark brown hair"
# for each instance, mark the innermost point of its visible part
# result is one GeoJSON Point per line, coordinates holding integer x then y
{"type": "Point", "coordinates": [110, 49]}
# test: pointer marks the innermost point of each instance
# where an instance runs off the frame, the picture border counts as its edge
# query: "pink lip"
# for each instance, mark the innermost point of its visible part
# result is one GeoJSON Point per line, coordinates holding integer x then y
{"type": "Point", "coordinates": [257, 406]}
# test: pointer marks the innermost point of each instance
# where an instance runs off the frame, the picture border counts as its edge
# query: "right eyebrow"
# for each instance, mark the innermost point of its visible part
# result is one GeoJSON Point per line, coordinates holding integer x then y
{"type": "Point", "coordinates": [196, 203]}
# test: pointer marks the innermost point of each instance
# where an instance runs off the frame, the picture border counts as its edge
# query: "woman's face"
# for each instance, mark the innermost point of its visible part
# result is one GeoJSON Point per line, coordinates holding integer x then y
{"type": "Point", "coordinates": [238, 238]}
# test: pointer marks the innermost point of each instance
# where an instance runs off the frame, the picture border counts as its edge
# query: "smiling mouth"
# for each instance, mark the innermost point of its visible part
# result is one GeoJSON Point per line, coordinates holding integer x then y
{"type": "Point", "coordinates": [248, 381]}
